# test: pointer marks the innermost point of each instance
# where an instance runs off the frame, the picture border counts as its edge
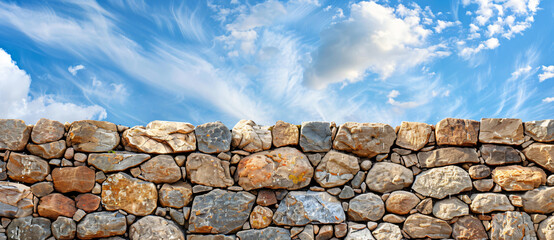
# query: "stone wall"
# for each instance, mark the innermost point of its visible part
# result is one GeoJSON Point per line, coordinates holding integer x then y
{"type": "Point", "coordinates": [459, 179]}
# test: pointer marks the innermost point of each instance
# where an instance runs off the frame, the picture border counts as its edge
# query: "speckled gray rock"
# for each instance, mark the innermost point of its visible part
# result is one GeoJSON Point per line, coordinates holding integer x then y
{"type": "Point", "coordinates": [16, 200]}
{"type": "Point", "coordinates": [542, 154]}
{"type": "Point", "coordinates": [364, 139]}
{"type": "Point", "coordinates": [161, 137]}
{"type": "Point", "coordinates": [443, 181]}
{"type": "Point", "coordinates": [93, 136]}
{"type": "Point", "coordinates": [250, 137]}
{"type": "Point", "coordinates": [366, 207]}
{"type": "Point", "coordinates": [14, 134]}
{"type": "Point", "coordinates": [336, 169]}
{"type": "Point", "coordinates": [64, 228]}
{"type": "Point", "coordinates": [315, 136]}
{"type": "Point", "coordinates": [27, 168]}
{"type": "Point", "coordinates": [450, 208]}
{"type": "Point", "coordinates": [358, 232]}
{"type": "Point", "coordinates": [213, 137]}
{"type": "Point", "coordinates": [387, 231]}
{"type": "Point", "coordinates": [489, 202]}
{"type": "Point", "coordinates": [499, 155]}
{"type": "Point", "coordinates": [155, 228]}
{"type": "Point", "coordinates": [546, 229]}
{"type": "Point", "coordinates": [270, 233]}
{"type": "Point", "coordinates": [208, 170]}
{"type": "Point", "coordinates": [315, 207]}
{"type": "Point", "coordinates": [29, 228]}
{"type": "Point", "coordinates": [421, 226]}
{"type": "Point", "coordinates": [540, 131]}
{"type": "Point", "coordinates": [516, 225]}
{"type": "Point", "coordinates": [48, 150]}
{"type": "Point", "coordinates": [46, 130]}
{"type": "Point", "coordinates": [116, 161]}
{"type": "Point", "coordinates": [447, 156]}
{"type": "Point", "coordinates": [101, 225]}
{"type": "Point", "coordinates": [232, 211]}
{"type": "Point", "coordinates": [539, 200]}
{"type": "Point", "coordinates": [387, 177]}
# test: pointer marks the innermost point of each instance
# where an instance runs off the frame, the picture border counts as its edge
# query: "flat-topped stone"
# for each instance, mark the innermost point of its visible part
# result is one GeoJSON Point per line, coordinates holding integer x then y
{"type": "Point", "coordinates": [121, 191]}
{"type": "Point", "coordinates": [364, 139]}
{"type": "Point", "coordinates": [116, 161]}
{"type": "Point", "coordinates": [540, 131]}
{"type": "Point", "coordinates": [213, 137]}
{"type": "Point", "coordinates": [48, 150]}
{"type": "Point", "coordinates": [27, 168]}
{"type": "Point", "coordinates": [14, 134]}
{"type": "Point", "coordinates": [501, 131]}
{"type": "Point", "coordinates": [285, 134]}
{"type": "Point", "coordinates": [315, 136]}
{"type": "Point", "coordinates": [413, 135]}
{"type": "Point", "coordinates": [336, 169]}
{"type": "Point", "coordinates": [16, 200]}
{"type": "Point", "coordinates": [250, 137]}
{"type": "Point", "coordinates": [208, 170]}
{"type": "Point", "coordinates": [542, 154]}
{"type": "Point", "coordinates": [73, 179]}
{"type": "Point", "coordinates": [161, 137]}
{"type": "Point", "coordinates": [46, 130]}
{"type": "Point", "coordinates": [300, 208]}
{"type": "Point", "coordinates": [441, 182]}
{"type": "Point", "coordinates": [457, 132]}
{"type": "Point", "coordinates": [447, 156]}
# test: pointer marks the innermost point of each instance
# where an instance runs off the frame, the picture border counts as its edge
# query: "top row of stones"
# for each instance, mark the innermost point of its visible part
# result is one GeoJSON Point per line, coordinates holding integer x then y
{"type": "Point", "coordinates": [362, 139]}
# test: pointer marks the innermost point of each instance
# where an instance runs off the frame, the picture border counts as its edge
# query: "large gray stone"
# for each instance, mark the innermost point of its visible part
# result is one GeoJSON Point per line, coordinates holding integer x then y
{"type": "Point", "coordinates": [117, 161]}
{"type": "Point", "coordinates": [540, 200]}
{"type": "Point", "coordinates": [250, 137]}
{"type": "Point", "coordinates": [364, 139]}
{"type": "Point", "coordinates": [14, 134]}
{"type": "Point", "coordinates": [366, 207]}
{"type": "Point", "coordinates": [29, 228]}
{"type": "Point", "coordinates": [358, 232]}
{"type": "Point", "coordinates": [48, 150]}
{"type": "Point", "coordinates": [16, 200]}
{"type": "Point", "coordinates": [336, 169]}
{"type": "Point", "coordinates": [93, 136]}
{"type": "Point", "coordinates": [387, 177]}
{"type": "Point", "coordinates": [27, 168]}
{"type": "Point", "coordinates": [270, 233]}
{"type": "Point", "coordinates": [208, 170]}
{"type": "Point", "coordinates": [447, 156]}
{"type": "Point", "coordinates": [512, 225]}
{"type": "Point", "coordinates": [155, 228]}
{"type": "Point", "coordinates": [101, 225]}
{"type": "Point", "coordinates": [499, 155]}
{"type": "Point", "coordinates": [213, 137]}
{"type": "Point", "coordinates": [161, 137]}
{"type": "Point", "coordinates": [443, 181]}
{"type": "Point", "coordinates": [46, 130]}
{"type": "Point", "coordinates": [300, 208]}
{"type": "Point", "coordinates": [64, 228]}
{"type": "Point", "coordinates": [315, 136]}
{"type": "Point", "coordinates": [540, 131]}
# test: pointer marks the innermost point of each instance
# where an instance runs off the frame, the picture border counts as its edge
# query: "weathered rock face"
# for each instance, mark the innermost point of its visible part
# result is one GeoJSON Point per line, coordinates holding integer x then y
{"type": "Point", "coordinates": [442, 182]}
{"type": "Point", "coordinates": [161, 137]}
{"type": "Point", "coordinates": [469, 228]}
{"type": "Point", "coordinates": [16, 200]}
{"type": "Point", "coordinates": [54, 205]}
{"type": "Point", "coordinates": [512, 225]}
{"type": "Point", "coordinates": [539, 200]}
{"type": "Point", "coordinates": [546, 228]}
{"type": "Point", "coordinates": [447, 156]}
{"type": "Point", "coordinates": [14, 134]}
{"type": "Point", "coordinates": [421, 226]}
{"type": "Point", "coordinates": [175, 195]}
{"type": "Point", "coordinates": [314, 207]}
{"type": "Point", "coordinates": [501, 131]}
{"type": "Point", "coordinates": [457, 132]}
{"type": "Point", "coordinates": [261, 217]}
{"type": "Point", "coordinates": [285, 134]}
{"type": "Point", "coordinates": [315, 137]}
{"type": "Point", "coordinates": [101, 225]}
{"type": "Point", "coordinates": [366, 207]}
{"type": "Point", "coordinates": [208, 170]}
{"type": "Point", "coordinates": [116, 161]}
{"type": "Point", "coordinates": [121, 191]}
{"type": "Point", "coordinates": [489, 202]}
{"type": "Point", "coordinates": [250, 137]}
{"type": "Point", "coordinates": [387, 177]}
{"type": "Point", "coordinates": [270, 233]}
{"type": "Point", "coordinates": [73, 179]}
{"type": "Point", "coordinates": [499, 155]}
{"type": "Point", "coordinates": [46, 130]}
{"type": "Point", "coordinates": [64, 228]}
{"type": "Point", "coordinates": [450, 208]}
{"type": "Point", "coordinates": [542, 154]}
{"type": "Point", "coordinates": [479, 171]}
{"type": "Point", "coordinates": [364, 139]}
{"type": "Point", "coordinates": [387, 231]}
{"type": "Point", "coordinates": [27, 168]}
{"type": "Point", "coordinates": [336, 169]}
{"type": "Point", "coordinates": [232, 211]}
{"type": "Point", "coordinates": [87, 202]}
{"type": "Point", "coordinates": [29, 228]}
{"type": "Point", "coordinates": [48, 150]}
{"type": "Point", "coordinates": [213, 137]}
{"type": "Point", "coordinates": [518, 178]}
{"type": "Point", "coordinates": [161, 169]}
{"type": "Point", "coordinates": [358, 232]}
{"type": "Point", "coordinates": [401, 202]}
{"type": "Point", "coordinates": [155, 228]}
{"type": "Point", "coordinates": [282, 168]}
{"type": "Point", "coordinates": [413, 135]}
{"type": "Point", "coordinates": [93, 136]}
{"type": "Point", "coordinates": [540, 131]}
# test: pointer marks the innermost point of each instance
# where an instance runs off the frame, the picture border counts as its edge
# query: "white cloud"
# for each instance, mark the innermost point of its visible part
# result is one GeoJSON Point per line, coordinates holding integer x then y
{"type": "Point", "coordinates": [520, 71]}
{"type": "Point", "coordinates": [441, 25]}
{"type": "Point", "coordinates": [490, 43]}
{"type": "Point", "coordinates": [74, 69]}
{"type": "Point", "coordinates": [393, 94]}
{"type": "Point", "coordinates": [16, 102]}
{"type": "Point", "coordinates": [548, 72]}
{"type": "Point", "coordinates": [548, 100]}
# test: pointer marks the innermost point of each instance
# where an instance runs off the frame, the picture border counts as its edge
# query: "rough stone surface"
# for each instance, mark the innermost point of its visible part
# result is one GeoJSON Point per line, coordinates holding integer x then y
{"type": "Point", "coordinates": [401, 202]}
{"type": "Point", "coordinates": [250, 137]}
{"type": "Point", "coordinates": [161, 137]}
{"type": "Point", "coordinates": [16, 200]}
{"type": "Point", "coordinates": [155, 228]}
{"type": "Point", "coordinates": [366, 207]}
{"type": "Point", "coordinates": [450, 208]}
{"type": "Point", "coordinates": [457, 132]}
{"type": "Point", "coordinates": [540, 131]}
{"type": "Point", "coordinates": [48, 150]}
{"type": "Point", "coordinates": [479, 171]}
{"type": "Point", "coordinates": [175, 195]}
{"type": "Point", "coordinates": [121, 191]}
{"type": "Point", "coordinates": [14, 134]}
{"type": "Point", "coordinates": [210, 237]}
{"type": "Point", "coordinates": [315, 137]}
{"type": "Point", "coordinates": [282, 168]}
{"type": "Point", "coordinates": [87, 202]}
{"type": "Point", "coordinates": [441, 182]}
{"type": "Point", "coordinates": [539, 200]}
{"type": "Point", "coordinates": [518, 178]}
{"type": "Point", "coordinates": [546, 228]}
{"type": "Point", "coordinates": [542, 154]}
{"type": "Point", "coordinates": [64, 228]}
{"type": "Point", "coordinates": [46, 130]}
{"type": "Point", "coordinates": [469, 228]}
{"type": "Point", "coordinates": [27, 168]}
{"type": "Point", "coordinates": [413, 135]}
{"type": "Point", "coordinates": [270, 233]}
{"type": "Point", "coordinates": [116, 161]}
{"type": "Point", "coordinates": [42, 189]}
{"type": "Point", "coordinates": [501, 131]}
{"type": "Point", "coordinates": [208, 170]}
{"type": "Point", "coordinates": [160, 169]}
{"type": "Point", "coordinates": [387, 177]}
{"type": "Point", "coordinates": [387, 231]}
{"type": "Point", "coordinates": [266, 198]}
{"type": "Point", "coordinates": [499, 155]}
{"type": "Point", "coordinates": [364, 139]}
{"type": "Point", "coordinates": [358, 232]}
{"type": "Point", "coordinates": [512, 225]}
{"type": "Point", "coordinates": [336, 169]}
{"type": "Point", "coordinates": [314, 207]}
{"type": "Point", "coordinates": [93, 136]}
{"type": "Point", "coordinates": [73, 179]}
{"type": "Point", "coordinates": [447, 156]}
{"type": "Point", "coordinates": [29, 228]}
{"type": "Point", "coordinates": [54, 205]}
{"type": "Point", "coordinates": [260, 217]}
{"type": "Point", "coordinates": [101, 225]}
{"type": "Point", "coordinates": [421, 226]}
{"type": "Point", "coordinates": [285, 134]}
{"type": "Point", "coordinates": [231, 212]}
{"type": "Point", "coordinates": [213, 137]}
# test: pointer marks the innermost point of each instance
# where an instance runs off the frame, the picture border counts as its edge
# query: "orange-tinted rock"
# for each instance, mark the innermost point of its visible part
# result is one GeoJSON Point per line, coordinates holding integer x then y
{"type": "Point", "coordinates": [93, 136]}
{"type": "Point", "coordinates": [88, 202]}
{"type": "Point", "coordinates": [336, 169]}
{"type": "Point", "coordinates": [121, 191]}
{"type": "Point", "coordinates": [467, 228]}
{"type": "Point", "coordinates": [260, 217]}
{"type": "Point", "coordinates": [14, 134]}
{"type": "Point", "coordinates": [413, 135]}
{"type": "Point", "coordinates": [46, 130]}
{"type": "Point", "coordinates": [542, 154]}
{"type": "Point", "coordinates": [54, 205]}
{"type": "Point", "coordinates": [364, 139]}
{"type": "Point", "coordinates": [266, 198]}
{"type": "Point", "coordinates": [73, 179]}
{"type": "Point", "coordinates": [208, 170]}
{"type": "Point", "coordinates": [160, 169]}
{"type": "Point", "coordinates": [175, 195]}
{"type": "Point", "coordinates": [284, 134]}
{"type": "Point", "coordinates": [501, 131]}
{"type": "Point", "coordinates": [518, 178]}
{"type": "Point", "coordinates": [27, 168]}
{"type": "Point", "coordinates": [457, 132]}
{"type": "Point", "coordinates": [48, 150]}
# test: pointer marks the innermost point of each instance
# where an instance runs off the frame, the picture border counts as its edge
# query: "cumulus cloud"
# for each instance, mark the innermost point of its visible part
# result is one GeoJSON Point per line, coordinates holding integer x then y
{"type": "Point", "coordinates": [548, 72]}
{"type": "Point", "coordinates": [548, 100]}
{"type": "Point", "coordinates": [490, 43]}
{"type": "Point", "coordinates": [17, 103]}
{"type": "Point", "coordinates": [74, 69]}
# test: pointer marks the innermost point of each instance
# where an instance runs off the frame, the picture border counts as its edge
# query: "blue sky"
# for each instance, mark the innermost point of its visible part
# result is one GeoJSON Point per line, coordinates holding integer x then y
{"type": "Point", "coordinates": [132, 62]}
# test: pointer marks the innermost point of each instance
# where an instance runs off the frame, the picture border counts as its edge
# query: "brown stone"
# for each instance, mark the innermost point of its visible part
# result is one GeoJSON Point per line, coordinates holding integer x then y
{"type": "Point", "coordinates": [364, 139]}
{"type": "Point", "coordinates": [285, 134]}
{"type": "Point", "coordinates": [48, 150]}
{"type": "Point", "coordinates": [499, 155]}
{"type": "Point", "coordinates": [73, 179]}
{"type": "Point", "coordinates": [401, 202]}
{"type": "Point", "coordinates": [116, 161]}
{"type": "Point", "coordinates": [93, 136]}
{"type": "Point", "coordinates": [88, 202]}
{"type": "Point", "coordinates": [450, 208]}
{"type": "Point", "coordinates": [175, 195]}
{"type": "Point", "coordinates": [457, 132]}
{"type": "Point", "coordinates": [260, 217]}
{"type": "Point", "coordinates": [208, 170]}
{"type": "Point", "coordinates": [46, 130]}
{"type": "Point", "coordinates": [479, 171]}
{"type": "Point", "coordinates": [27, 168]}
{"type": "Point", "coordinates": [121, 191]}
{"type": "Point", "coordinates": [325, 232]}
{"type": "Point", "coordinates": [483, 185]}
{"type": "Point", "coordinates": [469, 228]}
{"type": "Point", "coordinates": [518, 178]}
{"type": "Point", "coordinates": [366, 207]}
{"type": "Point", "coordinates": [425, 206]}
{"type": "Point", "coordinates": [341, 230]}
{"type": "Point", "coordinates": [266, 198]}
{"type": "Point", "coordinates": [160, 169]}
{"type": "Point", "coordinates": [250, 137]}
{"type": "Point", "coordinates": [540, 131]}
{"type": "Point", "coordinates": [42, 189]}
{"type": "Point", "coordinates": [16, 200]}
{"type": "Point", "coordinates": [539, 200]}
{"type": "Point", "coordinates": [501, 131]}
{"type": "Point", "coordinates": [14, 134]}
{"type": "Point", "coordinates": [516, 225]}
{"type": "Point", "coordinates": [542, 154]}
{"type": "Point", "coordinates": [336, 169]}
{"type": "Point", "coordinates": [546, 229]}
{"type": "Point", "coordinates": [447, 156]}
{"type": "Point", "coordinates": [54, 205]}
{"type": "Point", "coordinates": [413, 135]}
{"type": "Point", "coordinates": [489, 202]}
{"type": "Point", "coordinates": [421, 226]}
{"type": "Point", "coordinates": [387, 177]}
{"type": "Point", "coordinates": [161, 137]}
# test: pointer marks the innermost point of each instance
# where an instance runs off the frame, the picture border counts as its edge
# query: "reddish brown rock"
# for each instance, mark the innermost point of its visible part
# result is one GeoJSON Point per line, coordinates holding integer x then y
{"type": "Point", "coordinates": [46, 130]}
{"type": "Point", "coordinates": [160, 169]}
{"type": "Point", "coordinates": [260, 217]}
{"type": "Point", "coordinates": [501, 131]}
{"type": "Point", "coordinates": [285, 134]}
{"type": "Point", "coordinates": [542, 154]}
{"type": "Point", "coordinates": [27, 168]}
{"type": "Point", "coordinates": [457, 132]}
{"type": "Point", "coordinates": [364, 139]}
{"type": "Point", "coordinates": [88, 202]}
{"type": "Point", "coordinates": [93, 136]}
{"type": "Point", "coordinates": [54, 205]}
{"type": "Point", "coordinates": [48, 150]}
{"type": "Point", "coordinates": [413, 135]}
{"type": "Point", "coordinates": [175, 195]}
{"type": "Point", "coordinates": [266, 198]}
{"type": "Point", "coordinates": [518, 178]}
{"type": "Point", "coordinates": [208, 170]}
{"type": "Point", "coordinates": [42, 189]}
{"type": "Point", "coordinates": [121, 191]}
{"type": "Point", "coordinates": [14, 134]}
{"type": "Point", "coordinates": [73, 179]}
{"type": "Point", "coordinates": [469, 228]}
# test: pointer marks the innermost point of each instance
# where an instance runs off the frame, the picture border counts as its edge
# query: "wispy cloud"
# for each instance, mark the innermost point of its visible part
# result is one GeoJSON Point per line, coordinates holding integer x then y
{"type": "Point", "coordinates": [74, 69]}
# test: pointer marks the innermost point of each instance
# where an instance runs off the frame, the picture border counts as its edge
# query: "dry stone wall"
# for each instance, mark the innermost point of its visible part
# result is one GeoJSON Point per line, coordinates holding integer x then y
{"type": "Point", "coordinates": [458, 179]}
